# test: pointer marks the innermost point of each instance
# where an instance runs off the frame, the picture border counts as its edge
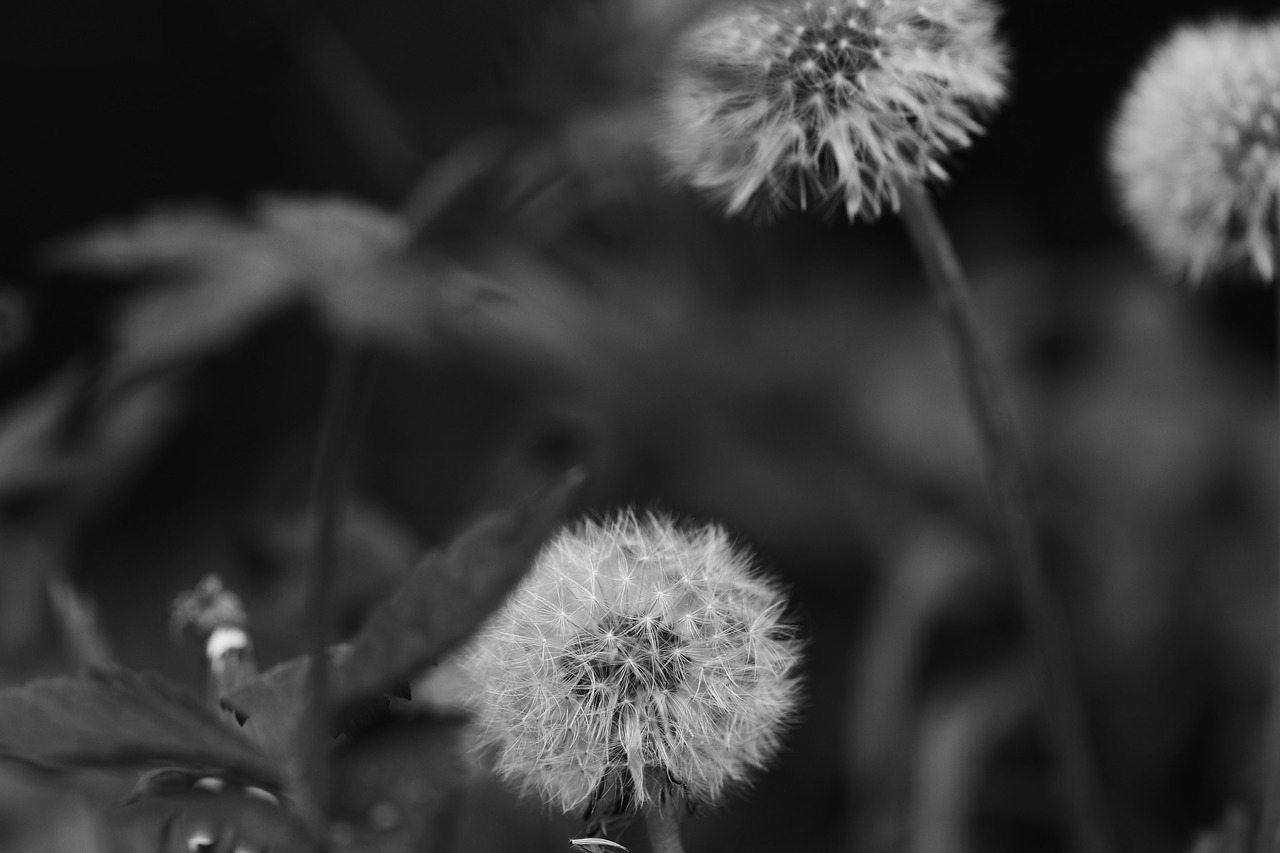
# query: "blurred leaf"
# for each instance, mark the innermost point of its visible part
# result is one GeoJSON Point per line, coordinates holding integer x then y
{"type": "Point", "coordinates": [375, 552]}
{"type": "Point", "coordinates": [221, 275]}
{"type": "Point", "coordinates": [1231, 836]}
{"type": "Point", "coordinates": [588, 101]}
{"type": "Point", "coordinates": [29, 457]}
{"type": "Point", "coordinates": [78, 622]}
{"type": "Point", "coordinates": [122, 718]}
{"type": "Point", "coordinates": [440, 604]}
{"type": "Point", "coordinates": [937, 569]}
{"type": "Point", "coordinates": [396, 785]}
{"type": "Point", "coordinates": [40, 813]}
{"type": "Point", "coordinates": [365, 115]}
{"type": "Point", "coordinates": [449, 594]}
{"type": "Point", "coordinates": [31, 553]}
{"type": "Point", "coordinates": [167, 823]}
{"type": "Point", "coordinates": [957, 736]}
{"type": "Point", "coordinates": [600, 56]}
{"type": "Point", "coordinates": [60, 437]}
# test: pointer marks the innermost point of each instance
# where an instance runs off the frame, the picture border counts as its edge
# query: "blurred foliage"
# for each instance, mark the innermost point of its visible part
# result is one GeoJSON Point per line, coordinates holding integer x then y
{"type": "Point", "coordinates": [542, 300]}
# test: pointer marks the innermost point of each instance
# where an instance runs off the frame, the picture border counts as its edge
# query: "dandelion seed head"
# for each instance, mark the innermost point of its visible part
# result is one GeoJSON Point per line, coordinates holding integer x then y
{"type": "Point", "coordinates": [1195, 150]}
{"type": "Point", "coordinates": [635, 650]}
{"type": "Point", "coordinates": [842, 102]}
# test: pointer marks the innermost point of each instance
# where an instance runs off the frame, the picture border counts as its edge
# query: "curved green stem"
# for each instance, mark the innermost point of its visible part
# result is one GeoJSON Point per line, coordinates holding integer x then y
{"type": "Point", "coordinates": [1010, 486]}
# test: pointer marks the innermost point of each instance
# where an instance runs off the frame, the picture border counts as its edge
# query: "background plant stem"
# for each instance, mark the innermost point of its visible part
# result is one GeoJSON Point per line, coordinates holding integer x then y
{"type": "Point", "coordinates": [1009, 482]}
{"type": "Point", "coordinates": [332, 451]}
{"type": "Point", "coordinates": [1268, 837]}
{"type": "Point", "coordinates": [664, 830]}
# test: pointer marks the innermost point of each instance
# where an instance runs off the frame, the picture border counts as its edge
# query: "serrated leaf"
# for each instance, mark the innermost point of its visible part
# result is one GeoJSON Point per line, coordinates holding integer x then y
{"type": "Point", "coordinates": [123, 718]}
{"type": "Point", "coordinates": [218, 276]}
{"type": "Point", "coordinates": [272, 705]}
{"type": "Point", "coordinates": [440, 604]}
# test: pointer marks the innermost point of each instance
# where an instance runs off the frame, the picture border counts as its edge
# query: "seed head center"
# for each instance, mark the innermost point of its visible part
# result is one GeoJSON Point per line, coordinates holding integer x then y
{"type": "Point", "coordinates": [825, 60]}
{"type": "Point", "coordinates": [625, 657]}
{"type": "Point", "coordinates": [1250, 137]}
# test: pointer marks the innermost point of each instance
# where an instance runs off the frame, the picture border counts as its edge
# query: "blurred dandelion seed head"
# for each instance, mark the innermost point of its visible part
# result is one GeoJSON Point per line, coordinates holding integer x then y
{"type": "Point", "coordinates": [773, 104]}
{"type": "Point", "coordinates": [1195, 149]}
{"type": "Point", "coordinates": [635, 650]}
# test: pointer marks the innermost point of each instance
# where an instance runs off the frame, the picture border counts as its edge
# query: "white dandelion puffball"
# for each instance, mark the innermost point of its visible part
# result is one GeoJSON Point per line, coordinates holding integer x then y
{"type": "Point", "coordinates": [635, 651]}
{"type": "Point", "coordinates": [829, 102]}
{"type": "Point", "coordinates": [1195, 150]}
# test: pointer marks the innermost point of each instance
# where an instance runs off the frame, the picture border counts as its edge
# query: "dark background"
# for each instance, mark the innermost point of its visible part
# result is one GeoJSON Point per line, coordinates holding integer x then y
{"type": "Point", "coordinates": [111, 107]}
{"type": "Point", "coordinates": [801, 395]}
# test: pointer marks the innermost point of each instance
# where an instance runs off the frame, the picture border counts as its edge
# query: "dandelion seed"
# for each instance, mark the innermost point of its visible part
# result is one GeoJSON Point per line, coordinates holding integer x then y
{"type": "Point", "coordinates": [673, 681]}
{"type": "Point", "coordinates": [1195, 150]}
{"type": "Point", "coordinates": [761, 115]}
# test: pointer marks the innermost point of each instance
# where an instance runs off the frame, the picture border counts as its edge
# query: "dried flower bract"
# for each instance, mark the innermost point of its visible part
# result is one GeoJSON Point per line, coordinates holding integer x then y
{"type": "Point", "coordinates": [829, 102]}
{"type": "Point", "coordinates": [1196, 150]}
{"type": "Point", "coordinates": [639, 656]}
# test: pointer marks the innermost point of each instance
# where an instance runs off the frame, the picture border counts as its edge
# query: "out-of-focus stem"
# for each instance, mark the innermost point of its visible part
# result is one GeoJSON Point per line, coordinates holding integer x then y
{"type": "Point", "coordinates": [442, 183]}
{"type": "Point", "coordinates": [332, 452]}
{"type": "Point", "coordinates": [1268, 837]}
{"type": "Point", "coordinates": [664, 830]}
{"type": "Point", "coordinates": [1009, 482]}
{"type": "Point", "coordinates": [364, 113]}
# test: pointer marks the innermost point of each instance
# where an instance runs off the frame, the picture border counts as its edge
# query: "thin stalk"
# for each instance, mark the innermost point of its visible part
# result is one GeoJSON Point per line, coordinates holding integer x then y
{"type": "Point", "coordinates": [460, 170]}
{"type": "Point", "coordinates": [1009, 482]}
{"type": "Point", "coordinates": [1268, 837]}
{"type": "Point", "coordinates": [332, 451]}
{"type": "Point", "coordinates": [664, 830]}
{"type": "Point", "coordinates": [79, 627]}
{"type": "Point", "coordinates": [365, 115]}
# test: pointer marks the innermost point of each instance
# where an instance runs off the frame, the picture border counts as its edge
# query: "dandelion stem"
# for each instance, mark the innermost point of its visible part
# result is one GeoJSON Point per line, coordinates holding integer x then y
{"type": "Point", "coordinates": [1009, 481]}
{"type": "Point", "coordinates": [1268, 838]}
{"type": "Point", "coordinates": [664, 830]}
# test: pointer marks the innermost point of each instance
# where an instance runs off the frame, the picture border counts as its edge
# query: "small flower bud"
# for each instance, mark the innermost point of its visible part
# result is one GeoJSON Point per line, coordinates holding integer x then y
{"type": "Point", "coordinates": [839, 101]}
{"type": "Point", "coordinates": [635, 656]}
{"type": "Point", "coordinates": [216, 617]}
{"type": "Point", "coordinates": [1195, 150]}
